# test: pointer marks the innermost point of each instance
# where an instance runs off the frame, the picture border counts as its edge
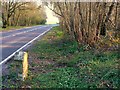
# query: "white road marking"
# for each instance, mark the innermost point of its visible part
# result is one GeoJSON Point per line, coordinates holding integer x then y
{"type": "Point", "coordinates": [5, 60]}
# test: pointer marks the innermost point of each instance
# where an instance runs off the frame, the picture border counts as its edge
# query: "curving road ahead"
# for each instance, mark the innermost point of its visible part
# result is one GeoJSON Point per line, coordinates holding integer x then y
{"type": "Point", "coordinates": [14, 41]}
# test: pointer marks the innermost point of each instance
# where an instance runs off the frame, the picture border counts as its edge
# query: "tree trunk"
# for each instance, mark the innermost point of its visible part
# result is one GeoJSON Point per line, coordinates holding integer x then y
{"type": "Point", "coordinates": [4, 21]}
{"type": "Point", "coordinates": [103, 26]}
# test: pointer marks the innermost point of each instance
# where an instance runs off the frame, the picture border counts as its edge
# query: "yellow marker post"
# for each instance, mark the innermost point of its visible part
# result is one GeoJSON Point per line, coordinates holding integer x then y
{"type": "Point", "coordinates": [25, 65]}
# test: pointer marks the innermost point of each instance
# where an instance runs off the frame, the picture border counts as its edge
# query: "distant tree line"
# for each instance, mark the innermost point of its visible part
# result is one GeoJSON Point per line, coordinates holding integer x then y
{"type": "Point", "coordinates": [88, 22]}
{"type": "Point", "coordinates": [22, 13]}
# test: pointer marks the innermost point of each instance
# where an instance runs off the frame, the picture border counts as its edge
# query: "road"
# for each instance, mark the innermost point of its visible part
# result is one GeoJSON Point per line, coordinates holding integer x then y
{"type": "Point", "coordinates": [14, 41]}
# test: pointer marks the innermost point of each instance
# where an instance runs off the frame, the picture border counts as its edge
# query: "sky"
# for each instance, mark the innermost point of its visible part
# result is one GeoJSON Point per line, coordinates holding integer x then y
{"type": "Point", "coordinates": [51, 18]}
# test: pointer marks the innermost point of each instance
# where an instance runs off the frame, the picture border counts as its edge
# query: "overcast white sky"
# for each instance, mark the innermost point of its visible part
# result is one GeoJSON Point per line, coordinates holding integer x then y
{"type": "Point", "coordinates": [51, 19]}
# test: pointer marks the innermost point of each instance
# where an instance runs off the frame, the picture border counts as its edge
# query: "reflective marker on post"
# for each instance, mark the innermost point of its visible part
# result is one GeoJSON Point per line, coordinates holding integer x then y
{"type": "Point", "coordinates": [25, 65]}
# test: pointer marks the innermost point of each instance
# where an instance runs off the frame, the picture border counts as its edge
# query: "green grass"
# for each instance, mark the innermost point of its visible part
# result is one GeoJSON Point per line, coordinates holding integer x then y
{"type": "Point", "coordinates": [56, 63]}
{"type": "Point", "coordinates": [13, 80]}
{"type": "Point", "coordinates": [11, 28]}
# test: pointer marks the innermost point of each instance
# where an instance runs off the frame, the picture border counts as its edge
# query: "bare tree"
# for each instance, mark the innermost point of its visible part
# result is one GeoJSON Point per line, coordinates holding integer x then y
{"type": "Point", "coordinates": [8, 9]}
{"type": "Point", "coordinates": [86, 22]}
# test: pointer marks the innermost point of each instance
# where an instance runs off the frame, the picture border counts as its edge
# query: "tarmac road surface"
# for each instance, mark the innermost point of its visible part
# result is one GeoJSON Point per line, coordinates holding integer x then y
{"type": "Point", "coordinates": [17, 40]}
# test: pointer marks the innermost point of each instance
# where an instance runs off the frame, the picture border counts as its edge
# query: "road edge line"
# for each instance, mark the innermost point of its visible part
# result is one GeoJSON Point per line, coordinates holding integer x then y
{"type": "Point", "coordinates": [5, 60]}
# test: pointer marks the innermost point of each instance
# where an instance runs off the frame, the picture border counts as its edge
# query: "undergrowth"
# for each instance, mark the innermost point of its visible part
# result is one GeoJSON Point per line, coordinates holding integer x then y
{"type": "Point", "coordinates": [55, 62]}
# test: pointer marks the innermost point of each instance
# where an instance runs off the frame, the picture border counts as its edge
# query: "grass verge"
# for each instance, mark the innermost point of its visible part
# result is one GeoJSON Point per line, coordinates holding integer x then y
{"type": "Point", "coordinates": [11, 28]}
{"type": "Point", "coordinates": [54, 62]}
